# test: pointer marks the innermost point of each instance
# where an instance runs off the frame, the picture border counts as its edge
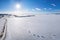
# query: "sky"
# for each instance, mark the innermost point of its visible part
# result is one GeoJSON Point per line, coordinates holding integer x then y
{"type": "Point", "coordinates": [31, 5]}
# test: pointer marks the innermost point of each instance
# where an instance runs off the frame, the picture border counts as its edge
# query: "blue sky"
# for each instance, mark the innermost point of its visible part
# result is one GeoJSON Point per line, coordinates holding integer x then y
{"type": "Point", "coordinates": [37, 5]}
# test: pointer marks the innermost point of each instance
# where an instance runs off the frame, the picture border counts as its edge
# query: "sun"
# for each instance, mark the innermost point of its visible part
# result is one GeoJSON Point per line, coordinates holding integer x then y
{"type": "Point", "coordinates": [18, 6]}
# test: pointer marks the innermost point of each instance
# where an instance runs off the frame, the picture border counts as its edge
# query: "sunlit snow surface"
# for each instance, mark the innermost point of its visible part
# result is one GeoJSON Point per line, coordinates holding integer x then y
{"type": "Point", "coordinates": [39, 27]}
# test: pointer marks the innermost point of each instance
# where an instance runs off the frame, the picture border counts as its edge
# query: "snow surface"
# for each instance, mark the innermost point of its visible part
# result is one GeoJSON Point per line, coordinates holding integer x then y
{"type": "Point", "coordinates": [39, 27]}
{"type": "Point", "coordinates": [2, 21]}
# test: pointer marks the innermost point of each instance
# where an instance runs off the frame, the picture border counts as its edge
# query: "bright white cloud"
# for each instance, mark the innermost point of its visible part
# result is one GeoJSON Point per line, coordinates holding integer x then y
{"type": "Point", "coordinates": [53, 4]}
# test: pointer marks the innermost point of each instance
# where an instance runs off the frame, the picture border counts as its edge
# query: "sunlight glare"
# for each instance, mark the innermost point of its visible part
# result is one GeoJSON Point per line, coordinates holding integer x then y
{"type": "Point", "coordinates": [18, 6]}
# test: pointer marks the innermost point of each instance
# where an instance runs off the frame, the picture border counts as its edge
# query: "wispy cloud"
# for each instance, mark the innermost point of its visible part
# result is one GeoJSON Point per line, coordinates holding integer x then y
{"type": "Point", "coordinates": [45, 8]}
{"type": "Point", "coordinates": [53, 4]}
{"type": "Point", "coordinates": [38, 9]}
{"type": "Point", "coordinates": [49, 8]}
{"type": "Point", "coordinates": [33, 9]}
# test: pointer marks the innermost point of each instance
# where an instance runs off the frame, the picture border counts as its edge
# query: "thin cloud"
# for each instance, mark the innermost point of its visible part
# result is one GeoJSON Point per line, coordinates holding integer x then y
{"type": "Point", "coordinates": [45, 8]}
{"type": "Point", "coordinates": [33, 9]}
{"type": "Point", "coordinates": [50, 9]}
{"type": "Point", "coordinates": [53, 4]}
{"type": "Point", "coordinates": [38, 9]}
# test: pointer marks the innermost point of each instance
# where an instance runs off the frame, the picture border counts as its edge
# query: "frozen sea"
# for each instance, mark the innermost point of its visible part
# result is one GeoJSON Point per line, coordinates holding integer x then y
{"type": "Point", "coordinates": [38, 27]}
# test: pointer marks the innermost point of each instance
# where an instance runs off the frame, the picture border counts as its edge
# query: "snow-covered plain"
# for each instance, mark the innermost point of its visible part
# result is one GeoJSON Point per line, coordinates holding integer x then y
{"type": "Point", "coordinates": [39, 27]}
